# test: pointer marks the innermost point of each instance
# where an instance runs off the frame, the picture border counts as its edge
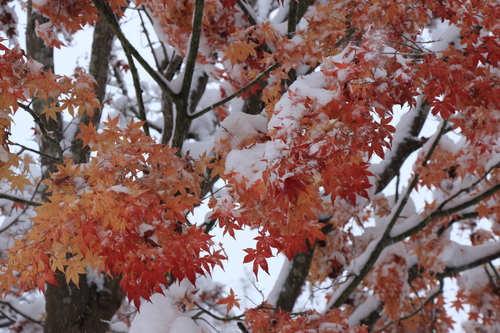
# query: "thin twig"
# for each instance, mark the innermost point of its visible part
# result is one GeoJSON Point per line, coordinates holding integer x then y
{"type": "Point", "coordinates": [386, 240]}
{"type": "Point", "coordinates": [131, 107]}
{"type": "Point", "coordinates": [236, 94]}
{"type": "Point", "coordinates": [150, 44]}
{"type": "Point", "coordinates": [20, 200]}
{"type": "Point", "coordinates": [21, 313]}
{"type": "Point", "coordinates": [467, 189]}
{"type": "Point", "coordinates": [138, 92]}
{"type": "Point", "coordinates": [44, 131]}
{"type": "Point", "coordinates": [427, 301]}
{"type": "Point", "coordinates": [106, 13]}
{"type": "Point", "coordinates": [34, 151]}
{"type": "Point", "coordinates": [202, 310]}
{"type": "Point", "coordinates": [443, 213]}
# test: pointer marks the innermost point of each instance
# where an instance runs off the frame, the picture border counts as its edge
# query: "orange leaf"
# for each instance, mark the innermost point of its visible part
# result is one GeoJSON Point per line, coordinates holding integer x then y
{"type": "Point", "coordinates": [230, 300]}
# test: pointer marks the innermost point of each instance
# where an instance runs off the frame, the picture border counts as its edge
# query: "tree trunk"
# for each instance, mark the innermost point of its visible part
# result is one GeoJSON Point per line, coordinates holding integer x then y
{"type": "Point", "coordinates": [86, 308]}
{"type": "Point", "coordinates": [82, 309]}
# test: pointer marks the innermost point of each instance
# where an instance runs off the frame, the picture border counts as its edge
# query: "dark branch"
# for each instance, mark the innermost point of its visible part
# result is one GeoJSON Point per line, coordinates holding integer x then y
{"type": "Point", "coordinates": [138, 92]}
{"type": "Point", "coordinates": [45, 134]}
{"type": "Point", "coordinates": [33, 151]}
{"type": "Point", "coordinates": [20, 200]}
{"type": "Point", "coordinates": [405, 148]}
{"type": "Point", "coordinates": [107, 14]}
{"type": "Point", "coordinates": [10, 306]}
{"type": "Point", "coordinates": [193, 47]}
{"type": "Point", "coordinates": [352, 283]}
{"type": "Point", "coordinates": [236, 94]}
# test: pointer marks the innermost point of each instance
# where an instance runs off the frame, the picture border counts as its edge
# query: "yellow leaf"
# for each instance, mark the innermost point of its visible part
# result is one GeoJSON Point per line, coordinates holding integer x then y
{"type": "Point", "coordinates": [51, 111]}
{"type": "Point", "coordinates": [72, 272]}
{"type": "Point", "coordinates": [18, 182]}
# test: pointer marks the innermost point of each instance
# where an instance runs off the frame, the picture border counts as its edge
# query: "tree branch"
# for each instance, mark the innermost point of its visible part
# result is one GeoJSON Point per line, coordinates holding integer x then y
{"type": "Point", "coordinates": [150, 44]}
{"type": "Point", "coordinates": [106, 13]}
{"type": "Point", "coordinates": [10, 306]}
{"type": "Point", "coordinates": [138, 92]}
{"type": "Point", "coordinates": [20, 200]}
{"type": "Point", "coordinates": [202, 310]}
{"type": "Point", "coordinates": [342, 294]}
{"type": "Point", "coordinates": [33, 151]}
{"type": "Point", "coordinates": [193, 47]}
{"type": "Point", "coordinates": [422, 306]}
{"type": "Point", "coordinates": [45, 134]}
{"type": "Point", "coordinates": [406, 147]}
{"type": "Point", "coordinates": [443, 213]}
{"type": "Point", "coordinates": [236, 94]}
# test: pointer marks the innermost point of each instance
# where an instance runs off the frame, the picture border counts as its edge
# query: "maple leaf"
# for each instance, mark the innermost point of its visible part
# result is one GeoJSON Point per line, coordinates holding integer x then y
{"type": "Point", "coordinates": [230, 300]}
{"type": "Point", "coordinates": [51, 111]}
{"type": "Point", "coordinates": [19, 182]}
{"type": "Point", "coordinates": [228, 3]}
{"type": "Point", "coordinates": [293, 187]}
{"type": "Point", "coordinates": [87, 134]}
{"type": "Point", "coordinates": [46, 32]}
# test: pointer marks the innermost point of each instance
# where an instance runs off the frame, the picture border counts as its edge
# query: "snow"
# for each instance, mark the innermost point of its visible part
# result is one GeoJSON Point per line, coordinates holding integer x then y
{"type": "Point", "coordinates": [4, 155]}
{"type": "Point", "coordinates": [197, 148]}
{"type": "Point", "coordinates": [279, 285]}
{"type": "Point", "coordinates": [40, 3]}
{"type": "Point", "coordinates": [143, 228]}
{"type": "Point", "coordinates": [330, 328]}
{"type": "Point", "coordinates": [247, 163]}
{"type": "Point", "coordinates": [239, 126]}
{"type": "Point", "coordinates": [94, 278]}
{"type": "Point", "coordinates": [162, 315]}
{"type": "Point", "coordinates": [364, 310]}
{"type": "Point", "coordinates": [441, 34]}
{"type": "Point", "coordinates": [402, 129]}
{"type": "Point", "coordinates": [493, 162]}
{"type": "Point", "coordinates": [409, 223]}
{"type": "Point", "coordinates": [120, 189]}
{"type": "Point", "coordinates": [456, 255]}
{"type": "Point", "coordinates": [473, 279]}
{"type": "Point", "coordinates": [290, 109]}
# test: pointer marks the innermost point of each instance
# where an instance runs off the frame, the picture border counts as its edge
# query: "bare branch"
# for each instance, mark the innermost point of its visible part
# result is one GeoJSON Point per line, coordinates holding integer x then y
{"type": "Point", "coordinates": [109, 17]}
{"type": "Point", "coordinates": [193, 47]}
{"type": "Point", "coordinates": [405, 148]}
{"type": "Point", "coordinates": [45, 134]}
{"type": "Point", "coordinates": [138, 92]}
{"type": "Point", "coordinates": [33, 151]}
{"type": "Point", "coordinates": [427, 301]}
{"type": "Point", "coordinates": [379, 244]}
{"type": "Point", "coordinates": [443, 213]}
{"type": "Point", "coordinates": [20, 200]}
{"type": "Point", "coordinates": [150, 44]}
{"type": "Point", "coordinates": [10, 306]}
{"type": "Point", "coordinates": [236, 94]}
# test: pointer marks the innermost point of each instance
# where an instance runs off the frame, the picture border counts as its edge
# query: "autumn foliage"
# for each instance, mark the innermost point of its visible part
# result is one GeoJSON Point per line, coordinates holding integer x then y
{"type": "Point", "coordinates": [343, 90]}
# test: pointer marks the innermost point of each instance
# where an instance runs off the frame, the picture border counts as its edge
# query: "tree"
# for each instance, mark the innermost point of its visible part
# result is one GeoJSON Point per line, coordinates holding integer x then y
{"type": "Point", "coordinates": [312, 111]}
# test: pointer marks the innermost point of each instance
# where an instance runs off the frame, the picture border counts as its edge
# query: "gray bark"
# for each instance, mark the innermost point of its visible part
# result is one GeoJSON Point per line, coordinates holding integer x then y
{"type": "Point", "coordinates": [99, 63]}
